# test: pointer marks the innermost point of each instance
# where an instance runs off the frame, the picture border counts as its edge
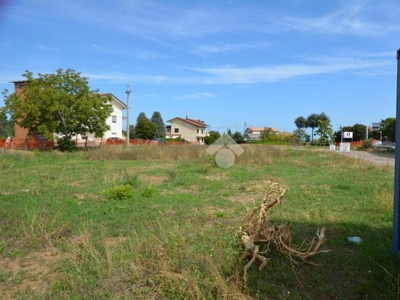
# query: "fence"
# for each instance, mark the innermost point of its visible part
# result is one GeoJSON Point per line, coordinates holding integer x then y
{"type": "Point", "coordinates": [44, 144]}
{"type": "Point", "coordinates": [27, 144]}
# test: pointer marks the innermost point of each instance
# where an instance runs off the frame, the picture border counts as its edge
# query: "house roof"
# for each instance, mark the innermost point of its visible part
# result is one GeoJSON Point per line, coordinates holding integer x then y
{"type": "Point", "coordinates": [115, 98]}
{"type": "Point", "coordinates": [260, 129]}
{"type": "Point", "coordinates": [198, 123]}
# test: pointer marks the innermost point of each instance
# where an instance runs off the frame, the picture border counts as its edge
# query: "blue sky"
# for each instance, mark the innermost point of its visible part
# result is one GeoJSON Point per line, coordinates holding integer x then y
{"type": "Point", "coordinates": [230, 63]}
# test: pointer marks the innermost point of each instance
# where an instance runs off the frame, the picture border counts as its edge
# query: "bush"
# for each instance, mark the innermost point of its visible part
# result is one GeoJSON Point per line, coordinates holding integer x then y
{"type": "Point", "coordinates": [120, 192]}
{"type": "Point", "coordinates": [366, 144]}
{"type": "Point", "coordinates": [66, 144]}
{"type": "Point", "coordinates": [147, 191]}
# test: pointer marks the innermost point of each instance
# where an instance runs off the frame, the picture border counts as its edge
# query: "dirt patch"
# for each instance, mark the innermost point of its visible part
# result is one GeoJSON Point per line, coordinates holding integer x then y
{"type": "Point", "coordinates": [112, 242]}
{"type": "Point", "coordinates": [34, 272]}
{"type": "Point", "coordinates": [215, 177]}
{"type": "Point", "coordinates": [152, 179]}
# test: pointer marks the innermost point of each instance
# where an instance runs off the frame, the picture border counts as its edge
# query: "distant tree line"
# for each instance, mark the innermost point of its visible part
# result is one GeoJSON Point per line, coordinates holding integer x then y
{"type": "Point", "coordinates": [387, 131]}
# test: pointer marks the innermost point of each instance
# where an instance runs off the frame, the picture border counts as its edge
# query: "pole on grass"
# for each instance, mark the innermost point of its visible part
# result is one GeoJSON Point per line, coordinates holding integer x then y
{"type": "Point", "coordinates": [396, 213]}
{"type": "Point", "coordinates": [128, 90]}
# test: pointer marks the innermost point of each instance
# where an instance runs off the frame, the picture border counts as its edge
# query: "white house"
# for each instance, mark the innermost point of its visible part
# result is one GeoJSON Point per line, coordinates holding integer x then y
{"type": "Point", "coordinates": [114, 121]}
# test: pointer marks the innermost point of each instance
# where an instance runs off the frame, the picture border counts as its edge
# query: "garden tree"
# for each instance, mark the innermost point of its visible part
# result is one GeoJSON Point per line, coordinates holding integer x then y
{"type": "Point", "coordinates": [375, 134]}
{"type": "Point", "coordinates": [229, 132]}
{"type": "Point", "coordinates": [301, 122]}
{"type": "Point", "coordinates": [312, 122]}
{"type": "Point", "coordinates": [158, 121]}
{"type": "Point", "coordinates": [323, 116]}
{"type": "Point", "coordinates": [6, 125]}
{"type": "Point", "coordinates": [132, 133]}
{"type": "Point", "coordinates": [141, 115]}
{"type": "Point", "coordinates": [325, 131]}
{"type": "Point", "coordinates": [302, 135]}
{"type": "Point", "coordinates": [238, 137]}
{"type": "Point", "coordinates": [212, 137]}
{"type": "Point", "coordinates": [388, 128]}
{"type": "Point", "coordinates": [61, 103]}
{"type": "Point", "coordinates": [359, 132]}
{"type": "Point", "coordinates": [145, 129]}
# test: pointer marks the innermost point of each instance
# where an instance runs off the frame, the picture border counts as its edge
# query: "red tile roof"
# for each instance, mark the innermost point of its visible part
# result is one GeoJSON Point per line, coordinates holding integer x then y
{"type": "Point", "coordinates": [198, 123]}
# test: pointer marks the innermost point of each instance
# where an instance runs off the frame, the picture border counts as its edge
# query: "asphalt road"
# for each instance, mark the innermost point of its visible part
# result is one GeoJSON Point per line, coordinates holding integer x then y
{"type": "Point", "coordinates": [379, 158]}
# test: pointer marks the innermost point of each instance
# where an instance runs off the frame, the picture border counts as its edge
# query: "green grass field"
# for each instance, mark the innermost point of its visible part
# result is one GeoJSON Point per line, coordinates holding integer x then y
{"type": "Point", "coordinates": [152, 222]}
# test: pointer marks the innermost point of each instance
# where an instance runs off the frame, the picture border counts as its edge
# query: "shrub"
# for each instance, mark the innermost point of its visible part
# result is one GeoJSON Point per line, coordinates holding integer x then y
{"type": "Point", "coordinates": [120, 192]}
{"type": "Point", "coordinates": [147, 191]}
{"type": "Point", "coordinates": [366, 144]}
{"type": "Point", "coordinates": [66, 144]}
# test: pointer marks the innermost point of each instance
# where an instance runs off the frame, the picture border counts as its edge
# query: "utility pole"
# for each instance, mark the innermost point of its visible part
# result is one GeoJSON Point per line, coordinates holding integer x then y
{"type": "Point", "coordinates": [396, 208]}
{"type": "Point", "coordinates": [128, 90]}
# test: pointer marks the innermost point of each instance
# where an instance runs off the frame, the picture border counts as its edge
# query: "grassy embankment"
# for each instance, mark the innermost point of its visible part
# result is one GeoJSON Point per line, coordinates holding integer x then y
{"type": "Point", "coordinates": [163, 223]}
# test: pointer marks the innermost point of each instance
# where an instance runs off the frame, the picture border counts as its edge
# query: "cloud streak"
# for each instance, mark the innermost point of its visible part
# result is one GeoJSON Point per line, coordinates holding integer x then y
{"type": "Point", "coordinates": [195, 96]}
{"type": "Point", "coordinates": [228, 75]}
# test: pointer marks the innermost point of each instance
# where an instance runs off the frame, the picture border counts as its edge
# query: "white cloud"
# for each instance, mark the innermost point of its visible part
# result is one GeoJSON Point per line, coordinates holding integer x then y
{"type": "Point", "coordinates": [356, 18]}
{"type": "Point", "coordinates": [195, 96]}
{"type": "Point", "coordinates": [250, 75]}
{"type": "Point", "coordinates": [255, 75]}
{"type": "Point", "coordinates": [47, 48]}
{"type": "Point", "coordinates": [220, 48]}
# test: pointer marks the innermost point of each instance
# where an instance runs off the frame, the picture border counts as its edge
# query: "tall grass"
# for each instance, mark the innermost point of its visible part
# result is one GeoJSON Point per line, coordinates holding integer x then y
{"type": "Point", "coordinates": [150, 222]}
{"type": "Point", "coordinates": [253, 154]}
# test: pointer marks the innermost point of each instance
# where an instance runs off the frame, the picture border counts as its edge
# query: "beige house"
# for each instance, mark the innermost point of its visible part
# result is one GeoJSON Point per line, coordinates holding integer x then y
{"type": "Point", "coordinates": [191, 130]}
{"type": "Point", "coordinates": [254, 133]}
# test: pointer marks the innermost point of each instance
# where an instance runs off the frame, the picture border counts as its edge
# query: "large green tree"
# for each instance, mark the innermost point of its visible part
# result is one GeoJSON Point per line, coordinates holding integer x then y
{"type": "Point", "coordinates": [388, 128]}
{"type": "Point", "coordinates": [238, 137]}
{"type": "Point", "coordinates": [212, 137]}
{"type": "Point", "coordinates": [140, 116]}
{"type": "Point", "coordinates": [301, 122]}
{"type": "Point", "coordinates": [302, 134]}
{"type": "Point", "coordinates": [325, 131]}
{"type": "Point", "coordinates": [61, 103]}
{"type": "Point", "coordinates": [158, 121]}
{"type": "Point", "coordinates": [145, 129]}
{"type": "Point", "coordinates": [313, 122]}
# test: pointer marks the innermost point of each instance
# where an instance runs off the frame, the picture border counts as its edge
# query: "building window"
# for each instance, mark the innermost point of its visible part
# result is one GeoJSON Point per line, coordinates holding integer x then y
{"type": "Point", "coordinates": [202, 131]}
{"type": "Point", "coordinates": [176, 130]}
{"type": "Point", "coordinates": [114, 119]}
{"type": "Point", "coordinates": [198, 130]}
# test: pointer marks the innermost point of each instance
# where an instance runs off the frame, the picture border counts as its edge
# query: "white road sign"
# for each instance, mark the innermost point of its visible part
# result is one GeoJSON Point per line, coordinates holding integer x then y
{"type": "Point", "coordinates": [348, 135]}
{"type": "Point", "coordinates": [344, 147]}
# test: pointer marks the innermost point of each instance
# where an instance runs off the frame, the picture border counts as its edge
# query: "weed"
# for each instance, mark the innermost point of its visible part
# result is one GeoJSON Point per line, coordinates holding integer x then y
{"type": "Point", "coordinates": [120, 192]}
{"type": "Point", "coordinates": [147, 191]}
{"type": "Point", "coordinates": [171, 175]}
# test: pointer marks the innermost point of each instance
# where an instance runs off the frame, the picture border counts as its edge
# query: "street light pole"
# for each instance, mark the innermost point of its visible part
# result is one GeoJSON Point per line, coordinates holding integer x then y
{"type": "Point", "coordinates": [128, 90]}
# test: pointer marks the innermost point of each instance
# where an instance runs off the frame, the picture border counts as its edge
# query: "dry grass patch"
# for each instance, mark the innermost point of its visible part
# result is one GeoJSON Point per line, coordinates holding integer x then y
{"type": "Point", "coordinates": [35, 272]}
